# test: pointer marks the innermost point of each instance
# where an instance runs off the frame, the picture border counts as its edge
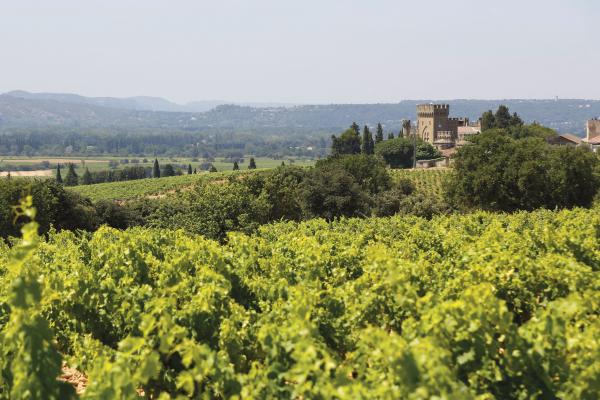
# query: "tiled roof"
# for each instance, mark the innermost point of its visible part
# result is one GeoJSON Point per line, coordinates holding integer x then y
{"type": "Point", "coordinates": [570, 137]}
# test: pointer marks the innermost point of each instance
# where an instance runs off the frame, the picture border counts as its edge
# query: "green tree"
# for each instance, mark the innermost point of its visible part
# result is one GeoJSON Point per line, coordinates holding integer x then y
{"type": "Point", "coordinates": [71, 179]}
{"type": "Point", "coordinates": [86, 178]}
{"type": "Point", "coordinates": [502, 118]}
{"type": "Point", "coordinates": [390, 135]}
{"type": "Point", "coordinates": [156, 169]}
{"type": "Point", "coordinates": [379, 134]}
{"type": "Point", "coordinates": [190, 169]}
{"type": "Point", "coordinates": [168, 170]}
{"type": "Point", "coordinates": [236, 167]}
{"type": "Point", "coordinates": [355, 128]}
{"type": "Point", "coordinates": [367, 146]}
{"type": "Point", "coordinates": [252, 163]}
{"type": "Point", "coordinates": [212, 168]}
{"type": "Point", "coordinates": [488, 121]}
{"type": "Point", "coordinates": [58, 175]}
{"type": "Point", "coordinates": [498, 172]}
{"type": "Point", "coordinates": [347, 143]}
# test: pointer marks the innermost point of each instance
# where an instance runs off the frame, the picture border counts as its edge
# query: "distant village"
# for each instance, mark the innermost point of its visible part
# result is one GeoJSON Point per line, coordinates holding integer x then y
{"type": "Point", "coordinates": [447, 134]}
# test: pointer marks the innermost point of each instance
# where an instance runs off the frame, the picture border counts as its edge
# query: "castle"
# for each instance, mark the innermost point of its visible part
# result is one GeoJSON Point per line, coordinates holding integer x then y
{"type": "Point", "coordinates": [434, 125]}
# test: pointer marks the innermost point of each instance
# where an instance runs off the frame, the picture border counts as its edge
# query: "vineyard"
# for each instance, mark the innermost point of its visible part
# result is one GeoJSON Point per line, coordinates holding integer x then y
{"type": "Point", "coordinates": [475, 306]}
{"type": "Point", "coordinates": [128, 190]}
{"type": "Point", "coordinates": [427, 181]}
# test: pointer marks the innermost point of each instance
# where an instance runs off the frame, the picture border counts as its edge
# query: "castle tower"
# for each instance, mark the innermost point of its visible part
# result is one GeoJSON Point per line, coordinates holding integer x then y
{"type": "Point", "coordinates": [432, 120]}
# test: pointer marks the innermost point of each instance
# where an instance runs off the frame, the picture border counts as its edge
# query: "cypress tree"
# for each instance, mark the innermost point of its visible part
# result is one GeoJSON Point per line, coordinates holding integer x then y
{"type": "Point", "coordinates": [390, 135]}
{"type": "Point", "coordinates": [379, 134]}
{"type": "Point", "coordinates": [58, 175]}
{"type": "Point", "coordinates": [189, 169]}
{"type": "Point", "coordinates": [252, 164]}
{"type": "Point", "coordinates": [71, 179]}
{"type": "Point", "coordinates": [86, 179]}
{"type": "Point", "coordinates": [283, 164]}
{"type": "Point", "coordinates": [156, 169]}
{"type": "Point", "coordinates": [355, 127]}
{"type": "Point", "coordinates": [367, 140]}
{"type": "Point", "coordinates": [236, 167]}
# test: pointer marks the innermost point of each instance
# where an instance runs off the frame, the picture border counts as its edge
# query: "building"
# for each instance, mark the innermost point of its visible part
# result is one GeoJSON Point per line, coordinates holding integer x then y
{"type": "Point", "coordinates": [434, 125]}
{"type": "Point", "coordinates": [592, 129]}
{"type": "Point", "coordinates": [592, 134]}
{"type": "Point", "coordinates": [568, 139]}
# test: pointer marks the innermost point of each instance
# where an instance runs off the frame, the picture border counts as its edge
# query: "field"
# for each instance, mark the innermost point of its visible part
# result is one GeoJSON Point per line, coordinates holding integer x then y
{"type": "Point", "coordinates": [429, 181]}
{"type": "Point", "coordinates": [150, 187]}
{"type": "Point", "coordinates": [475, 306]}
{"type": "Point", "coordinates": [102, 163]}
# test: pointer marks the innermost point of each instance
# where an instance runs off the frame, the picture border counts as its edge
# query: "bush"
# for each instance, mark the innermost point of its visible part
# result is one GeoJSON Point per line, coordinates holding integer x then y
{"type": "Point", "coordinates": [498, 172]}
{"type": "Point", "coordinates": [398, 153]}
{"type": "Point", "coordinates": [55, 206]}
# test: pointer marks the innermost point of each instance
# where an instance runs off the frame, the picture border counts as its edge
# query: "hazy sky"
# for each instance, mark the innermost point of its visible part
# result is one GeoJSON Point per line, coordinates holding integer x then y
{"type": "Point", "coordinates": [303, 51]}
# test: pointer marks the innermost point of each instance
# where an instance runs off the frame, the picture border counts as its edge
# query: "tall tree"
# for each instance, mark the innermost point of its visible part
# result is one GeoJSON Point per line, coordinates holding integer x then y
{"type": "Point", "coordinates": [252, 163]}
{"type": "Point", "coordinates": [347, 143]}
{"type": "Point", "coordinates": [379, 134]}
{"type": "Point", "coordinates": [190, 169]}
{"type": "Point", "coordinates": [156, 169]}
{"type": "Point", "coordinates": [502, 118]}
{"type": "Point", "coordinates": [86, 178]}
{"type": "Point", "coordinates": [355, 127]}
{"type": "Point", "coordinates": [71, 179]}
{"type": "Point", "coordinates": [236, 167]}
{"type": "Point", "coordinates": [390, 135]}
{"type": "Point", "coordinates": [367, 146]}
{"type": "Point", "coordinates": [488, 121]}
{"type": "Point", "coordinates": [58, 175]}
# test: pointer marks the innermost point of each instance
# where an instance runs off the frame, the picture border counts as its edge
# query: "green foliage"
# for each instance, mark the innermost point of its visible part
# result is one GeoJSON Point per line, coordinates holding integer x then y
{"type": "Point", "coordinates": [71, 179]}
{"type": "Point", "coordinates": [497, 172]}
{"type": "Point", "coordinates": [367, 144]}
{"type": "Point", "coordinates": [29, 362]}
{"type": "Point", "coordinates": [470, 306]}
{"type": "Point", "coordinates": [156, 169]}
{"type": "Point", "coordinates": [55, 206]}
{"type": "Point", "coordinates": [167, 171]}
{"type": "Point", "coordinates": [236, 167]}
{"type": "Point", "coordinates": [398, 153]}
{"type": "Point", "coordinates": [58, 175]}
{"type": "Point", "coordinates": [86, 178]}
{"type": "Point", "coordinates": [348, 142]}
{"type": "Point", "coordinates": [252, 163]}
{"type": "Point", "coordinates": [379, 134]}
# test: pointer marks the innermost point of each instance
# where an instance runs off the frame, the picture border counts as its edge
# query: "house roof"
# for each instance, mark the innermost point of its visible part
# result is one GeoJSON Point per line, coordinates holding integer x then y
{"type": "Point", "coordinates": [594, 140]}
{"type": "Point", "coordinates": [570, 137]}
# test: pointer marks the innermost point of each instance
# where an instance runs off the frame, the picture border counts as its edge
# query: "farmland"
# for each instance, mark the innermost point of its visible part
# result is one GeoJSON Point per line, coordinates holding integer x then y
{"type": "Point", "coordinates": [465, 306]}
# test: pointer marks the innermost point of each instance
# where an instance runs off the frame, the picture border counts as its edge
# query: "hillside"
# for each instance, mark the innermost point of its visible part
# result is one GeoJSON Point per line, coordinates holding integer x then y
{"type": "Point", "coordinates": [26, 110]}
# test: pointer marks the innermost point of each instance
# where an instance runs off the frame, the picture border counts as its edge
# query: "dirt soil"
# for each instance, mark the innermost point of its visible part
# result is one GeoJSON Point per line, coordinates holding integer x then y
{"type": "Point", "coordinates": [39, 172]}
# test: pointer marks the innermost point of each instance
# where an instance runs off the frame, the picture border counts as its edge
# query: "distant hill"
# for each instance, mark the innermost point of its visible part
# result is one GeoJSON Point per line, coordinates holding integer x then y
{"type": "Point", "coordinates": [34, 110]}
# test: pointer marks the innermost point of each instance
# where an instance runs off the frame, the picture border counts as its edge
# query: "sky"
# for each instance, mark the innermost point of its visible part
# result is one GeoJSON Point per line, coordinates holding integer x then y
{"type": "Point", "coordinates": [303, 51]}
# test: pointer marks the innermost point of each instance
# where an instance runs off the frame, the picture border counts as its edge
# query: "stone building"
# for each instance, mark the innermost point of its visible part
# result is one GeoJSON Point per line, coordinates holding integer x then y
{"type": "Point", "coordinates": [592, 136]}
{"type": "Point", "coordinates": [592, 129]}
{"type": "Point", "coordinates": [434, 125]}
